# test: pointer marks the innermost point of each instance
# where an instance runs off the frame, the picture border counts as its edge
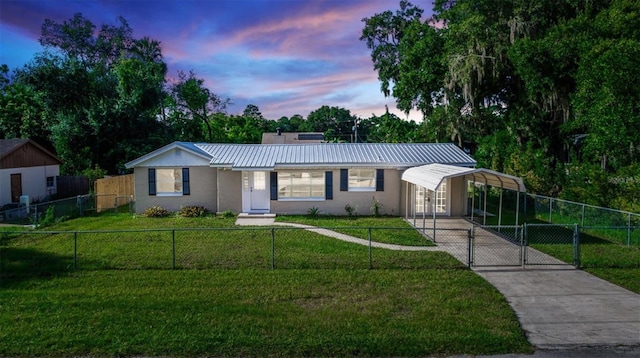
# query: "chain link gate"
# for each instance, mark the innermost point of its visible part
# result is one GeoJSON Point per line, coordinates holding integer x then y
{"type": "Point", "coordinates": [528, 244]}
{"type": "Point", "coordinates": [497, 246]}
{"type": "Point", "coordinates": [551, 244]}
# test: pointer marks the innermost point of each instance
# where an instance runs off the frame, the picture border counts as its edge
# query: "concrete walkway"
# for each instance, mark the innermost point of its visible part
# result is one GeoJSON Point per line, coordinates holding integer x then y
{"type": "Point", "coordinates": [561, 309]}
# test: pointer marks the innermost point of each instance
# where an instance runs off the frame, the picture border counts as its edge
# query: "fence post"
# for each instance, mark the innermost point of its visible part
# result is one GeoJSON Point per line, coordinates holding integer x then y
{"type": "Point", "coordinates": [273, 248]}
{"type": "Point", "coordinates": [523, 244]}
{"type": "Point", "coordinates": [75, 250]}
{"type": "Point", "coordinates": [115, 204]}
{"type": "Point", "coordinates": [370, 254]}
{"type": "Point", "coordinates": [79, 205]}
{"type": "Point", "coordinates": [576, 246]}
{"type": "Point", "coordinates": [582, 223]}
{"type": "Point", "coordinates": [173, 249]}
{"type": "Point", "coordinates": [550, 210]}
{"type": "Point", "coordinates": [629, 230]}
{"type": "Point", "coordinates": [469, 249]}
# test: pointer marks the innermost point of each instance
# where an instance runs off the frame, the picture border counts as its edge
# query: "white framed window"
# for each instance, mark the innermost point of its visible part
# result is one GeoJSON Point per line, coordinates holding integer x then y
{"type": "Point", "coordinates": [362, 179]}
{"type": "Point", "coordinates": [51, 182]}
{"type": "Point", "coordinates": [301, 185]}
{"type": "Point", "coordinates": [168, 181]}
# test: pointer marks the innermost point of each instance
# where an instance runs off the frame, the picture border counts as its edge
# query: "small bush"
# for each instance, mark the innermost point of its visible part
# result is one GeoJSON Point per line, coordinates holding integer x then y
{"type": "Point", "coordinates": [376, 207]}
{"type": "Point", "coordinates": [155, 211]}
{"type": "Point", "coordinates": [193, 211]}
{"type": "Point", "coordinates": [313, 212]}
{"type": "Point", "coordinates": [49, 217]}
{"type": "Point", "coordinates": [352, 211]}
{"type": "Point", "coordinates": [228, 214]}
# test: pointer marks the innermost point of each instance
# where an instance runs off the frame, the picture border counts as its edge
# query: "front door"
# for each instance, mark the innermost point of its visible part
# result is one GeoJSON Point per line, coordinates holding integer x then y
{"type": "Point", "coordinates": [16, 187]}
{"type": "Point", "coordinates": [255, 192]}
{"type": "Point", "coordinates": [423, 201]}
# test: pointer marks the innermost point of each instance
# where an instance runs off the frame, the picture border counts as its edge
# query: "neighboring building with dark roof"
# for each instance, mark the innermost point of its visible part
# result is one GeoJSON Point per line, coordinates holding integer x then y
{"type": "Point", "coordinates": [292, 138]}
{"type": "Point", "coordinates": [26, 169]}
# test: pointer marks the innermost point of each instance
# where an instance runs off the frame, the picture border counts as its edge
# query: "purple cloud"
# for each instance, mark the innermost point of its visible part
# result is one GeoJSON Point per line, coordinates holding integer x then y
{"type": "Point", "coordinates": [287, 57]}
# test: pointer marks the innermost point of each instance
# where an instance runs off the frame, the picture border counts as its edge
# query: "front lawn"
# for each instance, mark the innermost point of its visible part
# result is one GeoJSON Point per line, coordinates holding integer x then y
{"type": "Point", "coordinates": [257, 313]}
{"type": "Point", "coordinates": [224, 298]}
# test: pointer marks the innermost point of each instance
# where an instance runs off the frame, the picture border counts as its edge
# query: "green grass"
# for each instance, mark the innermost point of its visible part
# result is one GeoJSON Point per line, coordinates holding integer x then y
{"type": "Point", "coordinates": [386, 229]}
{"type": "Point", "coordinates": [321, 300]}
{"type": "Point", "coordinates": [258, 313]}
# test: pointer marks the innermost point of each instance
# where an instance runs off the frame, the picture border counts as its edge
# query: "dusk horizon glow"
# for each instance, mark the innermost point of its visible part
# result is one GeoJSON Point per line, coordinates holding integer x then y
{"type": "Point", "coordinates": [287, 57]}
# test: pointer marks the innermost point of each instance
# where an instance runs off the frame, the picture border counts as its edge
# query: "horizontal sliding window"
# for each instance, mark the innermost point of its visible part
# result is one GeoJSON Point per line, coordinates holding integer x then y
{"type": "Point", "coordinates": [301, 185]}
{"type": "Point", "coordinates": [362, 179]}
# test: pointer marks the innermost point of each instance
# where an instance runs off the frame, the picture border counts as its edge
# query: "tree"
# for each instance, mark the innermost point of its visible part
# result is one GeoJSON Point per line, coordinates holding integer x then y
{"type": "Point", "coordinates": [336, 123]}
{"type": "Point", "coordinates": [92, 93]}
{"type": "Point", "coordinates": [390, 128]}
{"type": "Point", "coordinates": [525, 85]}
{"type": "Point", "coordinates": [196, 103]}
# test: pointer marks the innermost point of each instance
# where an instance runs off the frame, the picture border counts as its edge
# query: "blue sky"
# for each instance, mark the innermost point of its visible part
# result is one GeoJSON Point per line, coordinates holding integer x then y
{"type": "Point", "coordinates": [285, 56]}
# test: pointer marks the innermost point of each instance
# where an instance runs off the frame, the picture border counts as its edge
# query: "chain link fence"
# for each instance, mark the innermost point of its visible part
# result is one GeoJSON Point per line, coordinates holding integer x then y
{"type": "Point", "coordinates": [47, 252]}
{"type": "Point", "coordinates": [36, 252]}
{"type": "Point", "coordinates": [81, 205]}
{"type": "Point", "coordinates": [616, 225]}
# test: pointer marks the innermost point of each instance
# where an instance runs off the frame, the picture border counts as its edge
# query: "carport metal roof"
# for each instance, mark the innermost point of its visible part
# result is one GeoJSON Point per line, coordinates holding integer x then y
{"type": "Point", "coordinates": [430, 176]}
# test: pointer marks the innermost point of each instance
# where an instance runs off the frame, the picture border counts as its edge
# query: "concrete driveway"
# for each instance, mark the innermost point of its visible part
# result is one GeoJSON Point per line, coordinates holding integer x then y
{"type": "Point", "coordinates": [567, 308]}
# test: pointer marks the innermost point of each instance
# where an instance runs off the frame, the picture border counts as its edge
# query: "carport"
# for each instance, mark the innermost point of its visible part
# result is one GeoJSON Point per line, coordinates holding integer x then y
{"type": "Point", "coordinates": [432, 176]}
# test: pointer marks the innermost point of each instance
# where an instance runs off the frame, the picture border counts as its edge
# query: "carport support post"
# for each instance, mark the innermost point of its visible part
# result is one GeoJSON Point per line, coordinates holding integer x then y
{"type": "Point", "coordinates": [523, 254]}
{"type": "Point", "coordinates": [500, 208]}
{"type": "Point", "coordinates": [413, 201]}
{"type": "Point", "coordinates": [406, 201]}
{"type": "Point", "coordinates": [484, 219]}
{"type": "Point", "coordinates": [518, 206]}
{"type": "Point", "coordinates": [424, 207]}
{"type": "Point", "coordinates": [473, 197]}
{"type": "Point", "coordinates": [435, 200]}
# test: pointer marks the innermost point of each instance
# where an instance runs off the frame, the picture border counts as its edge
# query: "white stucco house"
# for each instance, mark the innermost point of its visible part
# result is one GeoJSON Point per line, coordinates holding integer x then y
{"type": "Point", "coordinates": [407, 179]}
{"type": "Point", "coordinates": [26, 169]}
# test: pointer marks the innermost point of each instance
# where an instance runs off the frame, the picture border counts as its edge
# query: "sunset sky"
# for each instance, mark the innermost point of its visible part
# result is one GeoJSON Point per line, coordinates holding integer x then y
{"type": "Point", "coordinates": [285, 56]}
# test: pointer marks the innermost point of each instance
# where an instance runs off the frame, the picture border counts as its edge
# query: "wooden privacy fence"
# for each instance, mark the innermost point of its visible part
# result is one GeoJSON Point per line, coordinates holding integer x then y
{"type": "Point", "coordinates": [68, 186]}
{"type": "Point", "coordinates": [112, 192]}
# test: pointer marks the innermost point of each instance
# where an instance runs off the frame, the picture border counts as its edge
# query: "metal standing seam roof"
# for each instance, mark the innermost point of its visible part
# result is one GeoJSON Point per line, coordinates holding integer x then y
{"type": "Point", "coordinates": [430, 176]}
{"type": "Point", "coordinates": [271, 156]}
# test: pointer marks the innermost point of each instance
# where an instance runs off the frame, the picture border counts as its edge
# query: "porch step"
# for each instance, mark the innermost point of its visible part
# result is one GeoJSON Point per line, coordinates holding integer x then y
{"type": "Point", "coordinates": [257, 215]}
{"type": "Point", "coordinates": [255, 219]}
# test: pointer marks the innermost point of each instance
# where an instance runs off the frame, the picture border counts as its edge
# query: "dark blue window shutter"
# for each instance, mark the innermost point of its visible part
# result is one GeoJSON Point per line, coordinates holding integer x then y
{"type": "Point", "coordinates": [273, 176]}
{"type": "Point", "coordinates": [152, 181]}
{"type": "Point", "coordinates": [186, 186]}
{"type": "Point", "coordinates": [379, 179]}
{"type": "Point", "coordinates": [328, 185]}
{"type": "Point", "coordinates": [344, 179]}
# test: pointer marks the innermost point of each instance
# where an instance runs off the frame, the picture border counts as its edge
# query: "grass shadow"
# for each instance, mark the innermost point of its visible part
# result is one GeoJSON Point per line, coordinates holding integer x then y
{"type": "Point", "coordinates": [21, 264]}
